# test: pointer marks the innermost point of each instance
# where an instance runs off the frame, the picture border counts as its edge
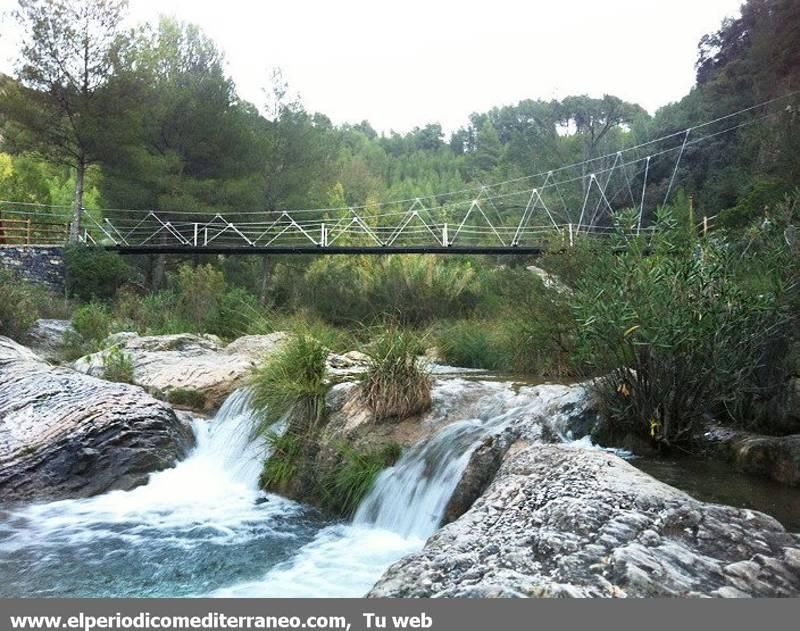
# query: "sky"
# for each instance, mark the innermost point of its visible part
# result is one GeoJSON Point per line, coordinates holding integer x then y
{"type": "Point", "coordinates": [408, 63]}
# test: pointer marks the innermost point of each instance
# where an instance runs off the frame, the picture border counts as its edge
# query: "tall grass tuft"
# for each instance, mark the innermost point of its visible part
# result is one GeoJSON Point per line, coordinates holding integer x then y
{"type": "Point", "coordinates": [292, 384]}
{"type": "Point", "coordinates": [395, 384]}
{"type": "Point", "coordinates": [345, 486]}
{"type": "Point", "coordinates": [117, 365]}
{"type": "Point", "coordinates": [285, 461]}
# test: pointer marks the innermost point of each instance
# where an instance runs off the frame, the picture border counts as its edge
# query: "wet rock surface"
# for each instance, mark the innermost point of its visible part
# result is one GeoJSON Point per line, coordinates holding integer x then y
{"type": "Point", "coordinates": [560, 520]}
{"type": "Point", "coordinates": [66, 434]}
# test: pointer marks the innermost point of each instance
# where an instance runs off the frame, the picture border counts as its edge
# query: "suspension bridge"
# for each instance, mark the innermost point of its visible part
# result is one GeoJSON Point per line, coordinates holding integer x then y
{"type": "Point", "coordinates": [526, 216]}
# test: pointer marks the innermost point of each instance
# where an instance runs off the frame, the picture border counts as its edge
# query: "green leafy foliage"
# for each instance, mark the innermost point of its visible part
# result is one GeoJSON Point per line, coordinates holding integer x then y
{"type": "Point", "coordinates": [91, 325]}
{"type": "Point", "coordinates": [199, 290]}
{"type": "Point", "coordinates": [94, 273]}
{"type": "Point", "coordinates": [409, 289]}
{"type": "Point", "coordinates": [18, 306]}
{"type": "Point", "coordinates": [187, 398]}
{"type": "Point", "coordinates": [285, 461]}
{"type": "Point", "coordinates": [470, 344]}
{"type": "Point", "coordinates": [347, 483]}
{"type": "Point", "coordinates": [675, 334]}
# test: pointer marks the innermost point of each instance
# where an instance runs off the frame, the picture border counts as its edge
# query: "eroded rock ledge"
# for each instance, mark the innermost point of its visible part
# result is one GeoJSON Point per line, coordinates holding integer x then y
{"type": "Point", "coordinates": [201, 368]}
{"type": "Point", "coordinates": [65, 434]}
{"type": "Point", "coordinates": [560, 520]}
{"type": "Point", "coordinates": [198, 364]}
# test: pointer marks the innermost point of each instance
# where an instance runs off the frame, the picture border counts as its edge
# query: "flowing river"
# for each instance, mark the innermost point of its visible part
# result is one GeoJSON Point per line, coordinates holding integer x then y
{"type": "Point", "coordinates": [203, 528]}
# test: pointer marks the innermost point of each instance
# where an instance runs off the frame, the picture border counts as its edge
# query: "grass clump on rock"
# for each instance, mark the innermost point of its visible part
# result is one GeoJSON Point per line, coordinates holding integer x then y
{"type": "Point", "coordinates": [291, 385]}
{"type": "Point", "coordinates": [286, 459]}
{"type": "Point", "coordinates": [396, 385]}
{"type": "Point", "coordinates": [117, 365]}
{"type": "Point", "coordinates": [187, 398]}
{"type": "Point", "coordinates": [345, 485]}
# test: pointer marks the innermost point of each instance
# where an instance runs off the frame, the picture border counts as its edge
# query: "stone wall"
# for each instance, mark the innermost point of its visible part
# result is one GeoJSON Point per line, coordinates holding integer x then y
{"type": "Point", "coordinates": [43, 264]}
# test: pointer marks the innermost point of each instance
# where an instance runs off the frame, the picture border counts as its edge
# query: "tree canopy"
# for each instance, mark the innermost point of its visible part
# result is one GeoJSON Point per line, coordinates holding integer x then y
{"type": "Point", "coordinates": [152, 119]}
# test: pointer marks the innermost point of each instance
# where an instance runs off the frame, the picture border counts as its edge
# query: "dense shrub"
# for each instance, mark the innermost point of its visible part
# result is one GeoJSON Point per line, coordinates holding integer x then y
{"type": "Point", "coordinates": [94, 273]}
{"type": "Point", "coordinates": [415, 290]}
{"type": "Point", "coordinates": [18, 306]}
{"type": "Point", "coordinates": [471, 344]}
{"type": "Point", "coordinates": [678, 330]}
{"type": "Point", "coordinates": [200, 290]}
{"type": "Point", "coordinates": [336, 288]}
{"type": "Point", "coordinates": [92, 322]}
{"type": "Point", "coordinates": [152, 314]}
{"type": "Point", "coordinates": [336, 339]}
{"type": "Point", "coordinates": [411, 290]}
{"type": "Point", "coordinates": [238, 313]}
{"type": "Point", "coordinates": [395, 384]}
{"type": "Point", "coordinates": [198, 302]}
{"type": "Point", "coordinates": [537, 327]}
{"type": "Point", "coordinates": [187, 397]}
{"type": "Point", "coordinates": [91, 325]}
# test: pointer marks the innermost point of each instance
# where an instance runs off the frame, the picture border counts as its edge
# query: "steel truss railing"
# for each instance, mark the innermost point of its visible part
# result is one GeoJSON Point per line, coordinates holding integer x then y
{"type": "Point", "coordinates": [558, 206]}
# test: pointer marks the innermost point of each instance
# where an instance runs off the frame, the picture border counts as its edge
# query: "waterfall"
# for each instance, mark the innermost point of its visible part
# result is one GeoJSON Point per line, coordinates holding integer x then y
{"type": "Point", "coordinates": [197, 526]}
{"type": "Point", "coordinates": [410, 498]}
{"type": "Point", "coordinates": [204, 527]}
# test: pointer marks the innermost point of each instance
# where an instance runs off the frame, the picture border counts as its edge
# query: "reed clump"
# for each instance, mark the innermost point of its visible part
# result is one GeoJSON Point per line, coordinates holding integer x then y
{"type": "Point", "coordinates": [396, 384]}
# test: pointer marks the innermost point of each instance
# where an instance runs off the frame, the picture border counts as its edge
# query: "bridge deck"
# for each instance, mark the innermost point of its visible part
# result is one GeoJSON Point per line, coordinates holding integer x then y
{"type": "Point", "coordinates": [520, 250]}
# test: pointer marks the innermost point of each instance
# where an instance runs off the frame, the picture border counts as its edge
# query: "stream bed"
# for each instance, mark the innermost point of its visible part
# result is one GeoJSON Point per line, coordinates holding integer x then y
{"type": "Point", "coordinates": [203, 527]}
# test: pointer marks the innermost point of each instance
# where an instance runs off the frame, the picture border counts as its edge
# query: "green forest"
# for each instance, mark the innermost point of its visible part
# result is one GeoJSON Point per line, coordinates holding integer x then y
{"type": "Point", "coordinates": [684, 322]}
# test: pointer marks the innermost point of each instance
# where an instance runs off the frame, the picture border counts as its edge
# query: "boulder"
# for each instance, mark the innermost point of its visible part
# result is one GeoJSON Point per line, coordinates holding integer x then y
{"type": "Point", "coordinates": [543, 413]}
{"type": "Point", "coordinates": [561, 520]}
{"type": "Point", "coordinates": [453, 399]}
{"type": "Point", "coordinates": [46, 337]}
{"type": "Point", "coordinates": [66, 434]}
{"type": "Point", "coordinates": [780, 413]}
{"type": "Point", "coordinates": [193, 371]}
{"type": "Point", "coordinates": [776, 457]}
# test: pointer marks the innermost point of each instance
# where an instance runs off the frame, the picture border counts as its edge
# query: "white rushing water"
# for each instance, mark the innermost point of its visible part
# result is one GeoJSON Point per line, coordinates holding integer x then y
{"type": "Point", "coordinates": [204, 527]}
{"type": "Point", "coordinates": [198, 525]}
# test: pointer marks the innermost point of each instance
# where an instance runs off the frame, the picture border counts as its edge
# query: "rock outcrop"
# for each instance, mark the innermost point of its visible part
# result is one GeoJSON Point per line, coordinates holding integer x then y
{"type": "Point", "coordinates": [560, 520]}
{"type": "Point", "coordinates": [193, 371]}
{"type": "Point", "coordinates": [198, 372]}
{"type": "Point", "coordinates": [46, 337]}
{"type": "Point", "coordinates": [66, 434]}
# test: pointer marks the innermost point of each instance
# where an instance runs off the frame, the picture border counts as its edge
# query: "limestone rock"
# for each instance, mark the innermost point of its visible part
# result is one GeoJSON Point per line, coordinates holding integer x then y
{"type": "Point", "coordinates": [548, 280]}
{"type": "Point", "coordinates": [546, 413]}
{"type": "Point", "coordinates": [66, 434]}
{"type": "Point", "coordinates": [776, 457]}
{"type": "Point", "coordinates": [197, 363]}
{"type": "Point", "coordinates": [559, 520]}
{"type": "Point", "coordinates": [47, 337]}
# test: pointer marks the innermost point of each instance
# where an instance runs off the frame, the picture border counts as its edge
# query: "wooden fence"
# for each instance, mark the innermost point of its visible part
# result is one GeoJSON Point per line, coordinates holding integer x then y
{"type": "Point", "coordinates": [32, 232]}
